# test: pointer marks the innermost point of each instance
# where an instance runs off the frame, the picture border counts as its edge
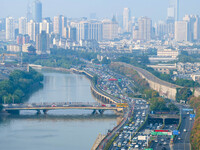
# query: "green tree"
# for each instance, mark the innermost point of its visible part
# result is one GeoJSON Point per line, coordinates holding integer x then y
{"type": "Point", "coordinates": [1, 107]}
{"type": "Point", "coordinates": [105, 61]}
{"type": "Point", "coordinates": [183, 94]}
{"type": "Point", "coordinates": [95, 79]}
{"type": "Point", "coordinates": [31, 50]}
{"type": "Point", "coordinates": [173, 107]}
{"type": "Point", "coordinates": [96, 61]}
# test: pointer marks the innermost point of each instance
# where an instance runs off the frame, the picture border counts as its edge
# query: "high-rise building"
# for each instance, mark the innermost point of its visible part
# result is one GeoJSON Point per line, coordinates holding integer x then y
{"type": "Point", "coordinates": [81, 30]}
{"type": "Point", "coordinates": [181, 31]}
{"type": "Point", "coordinates": [110, 29]}
{"type": "Point", "coordinates": [161, 30]}
{"type": "Point", "coordinates": [86, 30]}
{"type": "Point", "coordinates": [59, 25]}
{"type": "Point", "coordinates": [10, 30]}
{"type": "Point", "coordinates": [95, 31]}
{"type": "Point", "coordinates": [173, 9]}
{"type": "Point", "coordinates": [22, 25]}
{"type": "Point", "coordinates": [72, 33]}
{"type": "Point", "coordinates": [37, 11]}
{"type": "Point", "coordinates": [197, 29]}
{"type": "Point", "coordinates": [193, 27]}
{"type": "Point", "coordinates": [126, 19]}
{"type": "Point", "coordinates": [33, 30]}
{"type": "Point", "coordinates": [144, 29]}
{"type": "Point", "coordinates": [42, 43]}
{"type": "Point", "coordinates": [45, 25]}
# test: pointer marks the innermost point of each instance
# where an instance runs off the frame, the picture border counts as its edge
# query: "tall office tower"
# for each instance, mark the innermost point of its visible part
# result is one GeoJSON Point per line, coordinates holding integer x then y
{"type": "Point", "coordinates": [28, 13]}
{"type": "Point", "coordinates": [95, 31]}
{"type": "Point", "coordinates": [173, 10]}
{"type": "Point", "coordinates": [46, 26]}
{"type": "Point", "coordinates": [59, 25]}
{"type": "Point", "coordinates": [22, 25]}
{"type": "Point", "coordinates": [126, 19]}
{"type": "Point", "coordinates": [144, 28]}
{"type": "Point", "coordinates": [33, 30]}
{"type": "Point", "coordinates": [197, 29]}
{"type": "Point", "coordinates": [42, 43]}
{"type": "Point", "coordinates": [110, 29]}
{"type": "Point", "coordinates": [193, 27]}
{"type": "Point", "coordinates": [64, 27]}
{"type": "Point", "coordinates": [191, 21]}
{"type": "Point", "coordinates": [10, 30]}
{"type": "Point", "coordinates": [37, 11]}
{"type": "Point", "coordinates": [161, 30]}
{"type": "Point", "coordinates": [72, 33]}
{"type": "Point", "coordinates": [81, 30]}
{"type": "Point", "coordinates": [182, 31]}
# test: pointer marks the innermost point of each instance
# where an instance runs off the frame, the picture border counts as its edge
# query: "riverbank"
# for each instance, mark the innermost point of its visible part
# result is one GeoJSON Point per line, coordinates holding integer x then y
{"type": "Point", "coordinates": [19, 86]}
{"type": "Point", "coordinates": [50, 68]}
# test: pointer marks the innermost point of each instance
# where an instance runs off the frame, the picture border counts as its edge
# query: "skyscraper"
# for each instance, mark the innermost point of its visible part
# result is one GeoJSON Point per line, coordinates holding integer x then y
{"type": "Point", "coordinates": [126, 19]}
{"type": "Point", "coordinates": [22, 25]}
{"type": "Point", "coordinates": [173, 9]}
{"type": "Point", "coordinates": [193, 27]}
{"type": "Point", "coordinates": [10, 30]}
{"type": "Point", "coordinates": [33, 30]}
{"type": "Point", "coordinates": [37, 11]}
{"type": "Point", "coordinates": [46, 25]}
{"type": "Point", "coordinates": [181, 31]}
{"type": "Point", "coordinates": [110, 29]}
{"type": "Point", "coordinates": [95, 31]}
{"type": "Point", "coordinates": [60, 25]}
{"type": "Point", "coordinates": [81, 30]}
{"type": "Point", "coordinates": [42, 43]}
{"type": "Point", "coordinates": [144, 28]}
{"type": "Point", "coordinates": [72, 33]}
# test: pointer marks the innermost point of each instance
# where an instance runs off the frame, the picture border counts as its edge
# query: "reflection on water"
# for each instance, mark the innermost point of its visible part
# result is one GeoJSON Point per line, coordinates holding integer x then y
{"type": "Point", "coordinates": [59, 129]}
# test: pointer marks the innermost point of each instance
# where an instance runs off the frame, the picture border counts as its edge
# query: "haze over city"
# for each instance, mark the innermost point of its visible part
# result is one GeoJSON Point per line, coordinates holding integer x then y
{"type": "Point", "coordinates": [155, 9]}
{"type": "Point", "coordinates": [99, 74]}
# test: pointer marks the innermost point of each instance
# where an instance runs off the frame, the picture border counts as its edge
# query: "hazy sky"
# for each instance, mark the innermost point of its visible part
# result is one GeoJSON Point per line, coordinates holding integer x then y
{"type": "Point", "coordinates": [155, 9]}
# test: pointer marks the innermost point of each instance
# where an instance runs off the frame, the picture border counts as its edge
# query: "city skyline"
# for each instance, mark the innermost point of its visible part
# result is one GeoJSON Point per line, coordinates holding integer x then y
{"type": "Point", "coordinates": [155, 9]}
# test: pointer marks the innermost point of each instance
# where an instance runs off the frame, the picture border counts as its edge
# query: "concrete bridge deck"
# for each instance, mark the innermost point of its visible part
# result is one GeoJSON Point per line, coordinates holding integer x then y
{"type": "Point", "coordinates": [58, 106]}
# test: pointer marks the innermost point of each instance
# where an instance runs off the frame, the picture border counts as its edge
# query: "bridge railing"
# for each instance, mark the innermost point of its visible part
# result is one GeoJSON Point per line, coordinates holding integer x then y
{"type": "Point", "coordinates": [59, 104]}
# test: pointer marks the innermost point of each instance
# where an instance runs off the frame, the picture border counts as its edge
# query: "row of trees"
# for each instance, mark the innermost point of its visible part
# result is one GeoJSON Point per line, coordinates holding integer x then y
{"type": "Point", "coordinates": [60, 58]}
{"type": "Point", "coordinates": [18, 86]}
{"type": "Point", "coordinates": [183, 94]}
{"type": "Point", "coordinates": [195, 133]}
{"type": "Point", "coordinates": [157, 103]}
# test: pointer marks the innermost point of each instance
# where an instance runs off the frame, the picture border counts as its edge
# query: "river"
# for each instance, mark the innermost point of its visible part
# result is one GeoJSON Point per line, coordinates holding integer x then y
{"type": "Point", "coordinates": [59, 129]}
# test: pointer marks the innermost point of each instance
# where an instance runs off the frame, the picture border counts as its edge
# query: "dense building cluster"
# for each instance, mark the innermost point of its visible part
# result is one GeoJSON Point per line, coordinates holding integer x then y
{"type": "Point", "coordinates": [121, 32]}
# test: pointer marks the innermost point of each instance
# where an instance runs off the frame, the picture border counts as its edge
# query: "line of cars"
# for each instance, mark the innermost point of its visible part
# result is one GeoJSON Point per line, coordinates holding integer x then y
{"type": "Point", "coordinates": [126, 139]}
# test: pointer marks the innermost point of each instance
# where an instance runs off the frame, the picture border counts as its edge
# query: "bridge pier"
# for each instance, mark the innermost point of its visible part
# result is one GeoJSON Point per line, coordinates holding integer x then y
{"type": "Point", "coordinates": [101, 111]}
{"type": "Point", "coordinates": [163, 120]}
{"type": "Point", "coordinates": [94, 112]}
{"type": "Point", "coordinates": [38, 112]}
{"type": "Point", "coordinates": [45, 111]}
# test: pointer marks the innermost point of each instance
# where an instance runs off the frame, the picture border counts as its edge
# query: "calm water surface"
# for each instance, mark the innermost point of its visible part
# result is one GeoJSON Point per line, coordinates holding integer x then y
{"type": "Point", "coordinates": [60, 129]}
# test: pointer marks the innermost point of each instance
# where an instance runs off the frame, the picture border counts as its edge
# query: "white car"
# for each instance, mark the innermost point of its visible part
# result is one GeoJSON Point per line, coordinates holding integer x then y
{"type": "Point", "coordinates": [184, 130]}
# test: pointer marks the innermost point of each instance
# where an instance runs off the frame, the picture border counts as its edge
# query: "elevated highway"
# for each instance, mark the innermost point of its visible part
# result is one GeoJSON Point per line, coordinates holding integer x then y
{"type": "Point", "coordinates": [164, 88]}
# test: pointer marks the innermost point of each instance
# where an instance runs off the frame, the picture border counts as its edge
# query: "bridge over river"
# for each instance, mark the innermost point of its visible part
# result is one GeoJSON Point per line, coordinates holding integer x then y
{"type": "Point", "coordinates": [96, 107]}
